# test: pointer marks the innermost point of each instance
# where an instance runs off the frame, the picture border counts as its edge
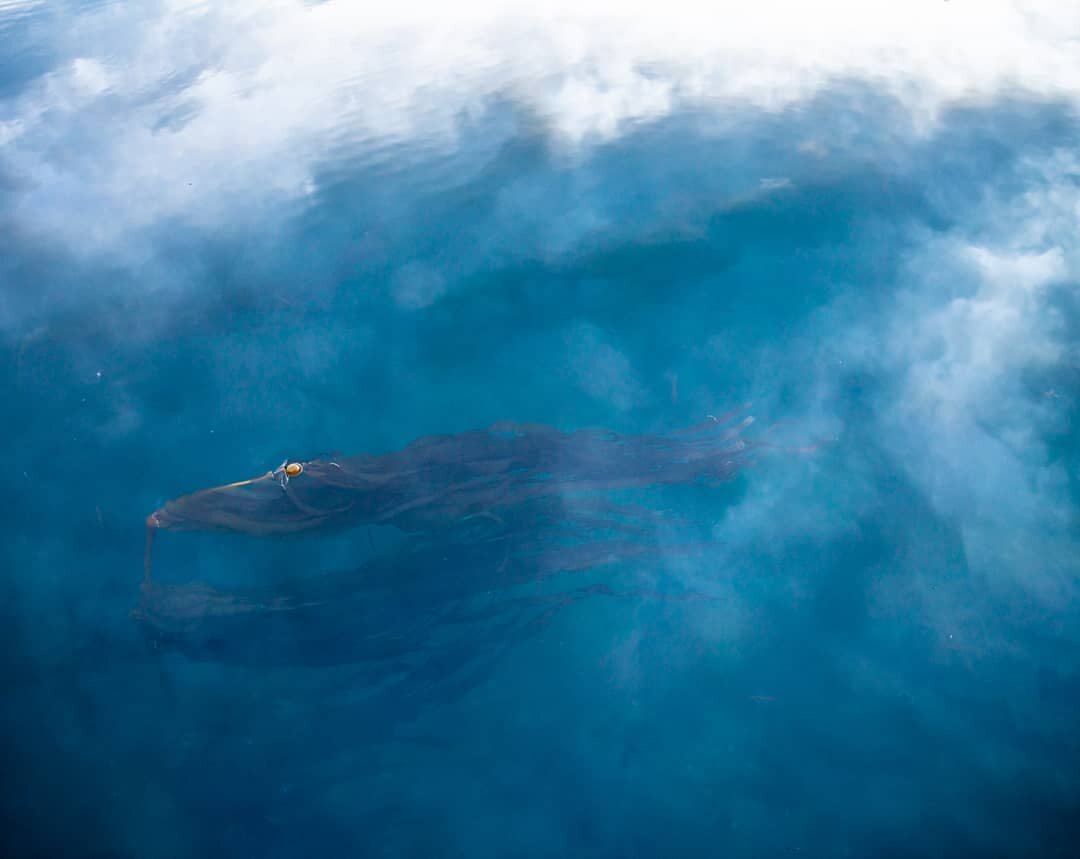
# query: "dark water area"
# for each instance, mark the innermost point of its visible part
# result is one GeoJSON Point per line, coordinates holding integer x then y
{"type": "Point", "coordinates": [863, 643]}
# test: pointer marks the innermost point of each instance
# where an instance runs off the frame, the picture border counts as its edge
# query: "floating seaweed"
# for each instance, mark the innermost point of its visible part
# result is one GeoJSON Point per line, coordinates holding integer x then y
{"type": "Point", "coordinates": [441, 481]}
{"type": "Point", "coordinates": [493, 519]}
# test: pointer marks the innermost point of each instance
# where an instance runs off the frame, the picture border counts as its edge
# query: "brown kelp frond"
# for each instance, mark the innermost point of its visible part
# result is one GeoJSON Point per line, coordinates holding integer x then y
{"type": "Point", "coordinates": [438, 480]}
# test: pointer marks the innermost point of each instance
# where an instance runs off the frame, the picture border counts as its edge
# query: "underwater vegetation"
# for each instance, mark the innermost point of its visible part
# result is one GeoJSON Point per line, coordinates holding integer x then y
{"type": "Point", "coordinates": [496, 520]}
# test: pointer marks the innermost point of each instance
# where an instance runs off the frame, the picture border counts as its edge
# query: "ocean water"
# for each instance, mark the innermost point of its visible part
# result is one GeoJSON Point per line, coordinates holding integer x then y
{"type": "Point", "coordinates": [233, 238]}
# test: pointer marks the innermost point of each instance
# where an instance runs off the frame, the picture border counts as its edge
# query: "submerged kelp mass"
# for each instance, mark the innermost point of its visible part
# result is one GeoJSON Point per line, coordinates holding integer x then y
{"type": "Point", "coordinates": [491, 510]}
{"type": "Point", "coordinates": [439, 480]}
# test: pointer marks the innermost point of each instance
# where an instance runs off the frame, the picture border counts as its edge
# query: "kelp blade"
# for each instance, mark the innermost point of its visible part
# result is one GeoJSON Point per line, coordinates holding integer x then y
{"type": "Point", "coordinates": [439, 480]}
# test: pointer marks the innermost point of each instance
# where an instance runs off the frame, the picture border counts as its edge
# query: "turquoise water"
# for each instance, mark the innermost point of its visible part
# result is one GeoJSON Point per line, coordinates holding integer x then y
{"type": "Point", "coordinates": [872, 649]}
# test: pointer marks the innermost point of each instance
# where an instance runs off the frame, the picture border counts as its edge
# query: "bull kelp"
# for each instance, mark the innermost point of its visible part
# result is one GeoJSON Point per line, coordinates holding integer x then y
{"type": "Point", "coordinates": [441, 481]}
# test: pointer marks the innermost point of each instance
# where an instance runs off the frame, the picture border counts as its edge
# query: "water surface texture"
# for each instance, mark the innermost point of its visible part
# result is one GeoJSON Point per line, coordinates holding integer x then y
{"type": "Point", "coordinates": [234, 235]}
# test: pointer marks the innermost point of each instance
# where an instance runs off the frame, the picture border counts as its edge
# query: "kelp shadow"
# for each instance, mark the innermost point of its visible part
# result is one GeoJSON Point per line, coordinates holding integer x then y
{"type": "Point", "coordinates": [402, 607]}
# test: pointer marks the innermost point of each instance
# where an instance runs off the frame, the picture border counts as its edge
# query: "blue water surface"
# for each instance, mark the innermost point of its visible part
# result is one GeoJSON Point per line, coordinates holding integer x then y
{"type": "Point", "coordinates": [881, 658]}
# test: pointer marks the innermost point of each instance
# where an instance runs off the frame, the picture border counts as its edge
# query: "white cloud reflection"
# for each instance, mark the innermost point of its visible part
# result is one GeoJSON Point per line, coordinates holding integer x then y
{"type": "Point", "coordinates": [185, 109]}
